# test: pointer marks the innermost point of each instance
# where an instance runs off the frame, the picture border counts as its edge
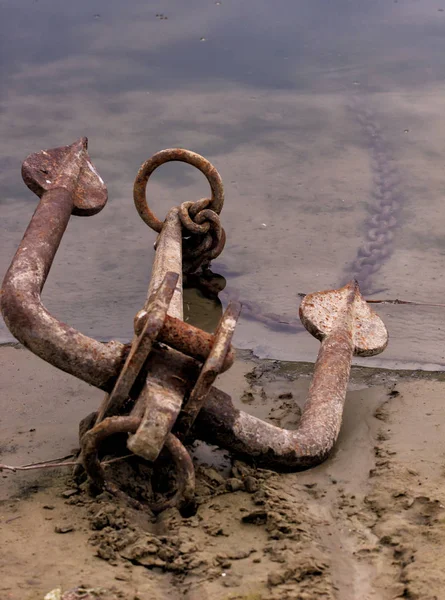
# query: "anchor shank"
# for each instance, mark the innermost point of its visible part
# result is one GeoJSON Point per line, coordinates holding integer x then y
{"type": "Point", "coordinates": [168, 257]}
{"type": "Point", "coordinates": [162, 403]}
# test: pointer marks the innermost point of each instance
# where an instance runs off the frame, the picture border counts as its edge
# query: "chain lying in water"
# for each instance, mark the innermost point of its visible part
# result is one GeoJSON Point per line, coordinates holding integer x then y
{"type": "Point", "coordinates": [383, 217]}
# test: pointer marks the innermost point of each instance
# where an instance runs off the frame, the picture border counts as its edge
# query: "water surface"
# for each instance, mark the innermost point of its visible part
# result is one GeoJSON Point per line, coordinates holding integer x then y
{"type": "Point", "coordinates": [317, 115]}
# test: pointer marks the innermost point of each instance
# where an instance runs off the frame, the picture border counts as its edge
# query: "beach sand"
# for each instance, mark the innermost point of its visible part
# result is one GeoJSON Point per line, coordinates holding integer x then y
{"type": "Point", "coordinates": [368, 523]}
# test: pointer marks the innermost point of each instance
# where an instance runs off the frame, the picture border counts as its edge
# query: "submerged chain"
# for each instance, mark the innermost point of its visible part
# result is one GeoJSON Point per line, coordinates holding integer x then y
{"type": "Point", "coordinates": [384, 211]}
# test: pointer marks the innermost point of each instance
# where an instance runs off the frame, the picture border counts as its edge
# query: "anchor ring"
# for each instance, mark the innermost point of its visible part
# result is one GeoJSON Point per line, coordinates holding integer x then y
{"type": "Point", "coordinates": [169, 155]}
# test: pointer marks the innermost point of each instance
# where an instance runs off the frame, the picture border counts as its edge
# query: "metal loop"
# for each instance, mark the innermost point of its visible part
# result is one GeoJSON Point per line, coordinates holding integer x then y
{"type": "Point", "coordinates": [183, 464]}
{"type": "Point", "coordinates": [175, 154]}
{"type": "Point", "coordinates": [219, 245]}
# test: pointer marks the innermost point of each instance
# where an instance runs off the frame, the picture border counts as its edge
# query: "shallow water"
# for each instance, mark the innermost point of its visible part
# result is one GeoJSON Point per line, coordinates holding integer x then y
{"type": "Point", "coordinates": [324, 120]}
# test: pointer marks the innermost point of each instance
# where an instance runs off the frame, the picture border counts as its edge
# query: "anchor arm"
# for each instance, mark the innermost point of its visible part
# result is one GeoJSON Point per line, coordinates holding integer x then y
{"type": "Point", "coordinates": [219, 422]}
{"type": "Point", "coordinates": [346, 325]}
{"type": "Point", "coordinates": [68, 184]}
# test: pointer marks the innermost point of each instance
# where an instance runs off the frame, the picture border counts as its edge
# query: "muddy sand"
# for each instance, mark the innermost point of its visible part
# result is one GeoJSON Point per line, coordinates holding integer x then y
{"type": "Point", "coordinates": [367, 524]}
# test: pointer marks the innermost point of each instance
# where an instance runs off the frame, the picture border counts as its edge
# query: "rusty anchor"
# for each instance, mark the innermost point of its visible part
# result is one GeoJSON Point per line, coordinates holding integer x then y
{"type": "Point", "coordinates": [160, 388]}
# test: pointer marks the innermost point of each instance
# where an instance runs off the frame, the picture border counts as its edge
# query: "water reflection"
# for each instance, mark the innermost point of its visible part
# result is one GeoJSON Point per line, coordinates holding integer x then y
{"type": "Point", "coordinates": [266, 96]}
{"type": "Point", "coordinates": [202, 305]}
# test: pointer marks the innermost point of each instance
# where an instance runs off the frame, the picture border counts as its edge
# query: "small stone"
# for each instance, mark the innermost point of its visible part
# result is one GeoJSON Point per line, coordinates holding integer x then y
{"type": "Point", "coordinates": [251, 484]}
{"type": "Point", "coordinates": [178, 565]}
{"type": "Point", "coordinates": [54, 594]}
{"type": "Point", "coordinates": [240, 470]}
{"type": "Point", "coordinates": [69, 493]}
{"type": "Point", "coordinates": [231, 580]}
{"type": "Point", "coordinates": [197, 561]}
{"type": "Point", "coordinates": [240, 554]}
{"type": "Point", "coordinates": [274, 579]}
{"type": "Point", "coordinates": [247, 398]}
{"type": "Point", "coordinates": [259, 498]}
{"type": "Point", "coordinates": [140, 549]}
{"type": "Point", "coordinates": [99, 521]}
{"type": "Point", "coordinates": [167, 554]}
{"type": "Point", "coordinates": [213, 476]}
{"type": "Point", "coordinates": [215, 530]}
{"type": "Point", "coordinates": [223, 562]}
{"type": "Point", "coordinates": [48, 507]}
{"type": "Point", "coordinates": [234, 484]}
{"type": "Point", "coordinates": [187, 547]}
{"type": "Point", "coordinates": [105, 552]}
{"type": "Point", "coordinates": [63, 529]}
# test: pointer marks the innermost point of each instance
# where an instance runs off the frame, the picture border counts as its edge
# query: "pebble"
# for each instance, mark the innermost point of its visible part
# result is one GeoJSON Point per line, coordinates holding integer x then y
{"type": "Point", "coordinates": [63, 529]}
{"type": "Point", "coordinates": [234, 484]}
{"type": "Point", "coordinates": [69, 493]}
{"type": "Point", "coordinates": [251, 484]}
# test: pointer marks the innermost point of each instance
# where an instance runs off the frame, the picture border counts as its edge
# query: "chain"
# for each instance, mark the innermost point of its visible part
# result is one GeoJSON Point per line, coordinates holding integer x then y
{"type": "Point", "coordinates": [378, 244]}
{"type": "Point", "coordinates": [208, 239]}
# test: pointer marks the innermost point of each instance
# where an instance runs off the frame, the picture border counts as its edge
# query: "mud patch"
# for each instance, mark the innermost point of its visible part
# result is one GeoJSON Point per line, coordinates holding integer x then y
{"type": "Point", "coordinates": [368, 523]}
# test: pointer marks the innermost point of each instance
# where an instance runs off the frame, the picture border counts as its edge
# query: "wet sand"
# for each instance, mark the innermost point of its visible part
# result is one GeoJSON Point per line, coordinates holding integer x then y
{"type": "Point", "coordinates": [325, 121]}
{"type": "Point", "coordinates": [367, 524]}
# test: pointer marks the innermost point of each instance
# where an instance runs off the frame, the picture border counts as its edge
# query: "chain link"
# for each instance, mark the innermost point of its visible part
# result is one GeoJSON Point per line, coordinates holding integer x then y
{"type": "Point", "coordinates": [208, 239]}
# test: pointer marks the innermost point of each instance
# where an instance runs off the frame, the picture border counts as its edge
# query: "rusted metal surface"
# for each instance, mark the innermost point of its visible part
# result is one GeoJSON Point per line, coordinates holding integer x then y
{"type": "Point", "coordinates": [168, 257]}
{"type": "Point", "coordinates": [191, 340]}
{"type": "Point", "coordinates": [169, 360]}
{"type": "Point", "coordinates": [68, 184]}
{"type": "Point", "coordinates": [209, 246]}
{"type": "Point", "coordinates": [160, 404]}
{"type": "Point", "coordinates": [322, 312]}
{"type": "Point", "coordinates": [347, 326]}
{"type": "Point", "coordinates": [160, 400]}
{"type": "Point", "coordinates": [211, 369]}
{"type": "Point", "coordinates": [69, 168]}
{"type": "Point", "coordinates": [141, 345]}
{"type": "Point", "coordinates": [199, 218]}
{"type": "Point", "coordinates": [181, 155]}
{"type": "Point", "coordinates": [92, 439]}
{"type": "Point", "coordinates": [185, 474]}
{"type": "Point", "coordinates": [185, 477]}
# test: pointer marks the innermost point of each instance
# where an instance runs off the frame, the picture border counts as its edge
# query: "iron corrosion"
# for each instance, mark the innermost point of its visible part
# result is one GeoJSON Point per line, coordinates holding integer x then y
{"type": "Point", "coordinates": [156, 377]}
